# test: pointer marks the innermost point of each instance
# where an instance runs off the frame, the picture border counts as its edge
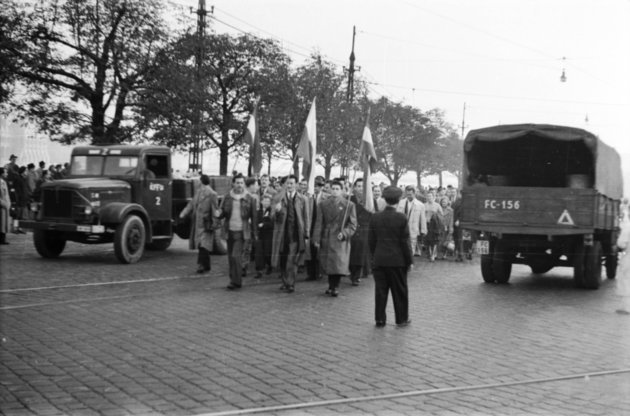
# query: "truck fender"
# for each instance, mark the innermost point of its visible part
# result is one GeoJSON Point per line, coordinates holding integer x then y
{"type": "Point", "coordinates": [114, 213]}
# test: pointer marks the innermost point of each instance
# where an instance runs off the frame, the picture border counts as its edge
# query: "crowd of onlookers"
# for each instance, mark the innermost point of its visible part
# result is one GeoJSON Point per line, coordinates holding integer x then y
{"type": "Point", "coordinates": [23, 183]}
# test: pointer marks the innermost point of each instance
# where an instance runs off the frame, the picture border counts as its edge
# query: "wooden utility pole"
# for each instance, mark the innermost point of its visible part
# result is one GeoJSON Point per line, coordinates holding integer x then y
{"type": "Point", "coordinates": [195, 155]}
{"type": "Point", "coordinates": [463, 125]}
{"type": "Point", "coordinates": [351, 70]}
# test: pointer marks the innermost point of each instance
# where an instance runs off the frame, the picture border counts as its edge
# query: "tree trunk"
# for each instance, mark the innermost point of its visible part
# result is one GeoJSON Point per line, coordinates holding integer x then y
{"type": "Point", "coordinates": [224, 150]}
{"type": "Point", "coordinates": [327, 167]}
{"type": "Point", "coordinates": [98, 124]}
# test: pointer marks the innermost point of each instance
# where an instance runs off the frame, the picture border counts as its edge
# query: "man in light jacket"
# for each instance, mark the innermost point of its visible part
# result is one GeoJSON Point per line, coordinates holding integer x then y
{"type": "Point", "coordinates": [416, 216]}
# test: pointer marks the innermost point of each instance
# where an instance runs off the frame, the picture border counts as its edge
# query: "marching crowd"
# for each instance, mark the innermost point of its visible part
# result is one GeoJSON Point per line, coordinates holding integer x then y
{"type": "Point", "coordinates": [19, 186]}
{"type": "Point", "coordinates": [278, 225]}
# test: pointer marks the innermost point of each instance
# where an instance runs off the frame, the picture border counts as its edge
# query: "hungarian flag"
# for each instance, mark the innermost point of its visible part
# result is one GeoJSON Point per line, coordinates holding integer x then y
{"type": "Point", "coordinates": [252, 138]}
{"type": "Point", "coordinates": [308, 148]}
{"type": "Point", "coordinates": [367, 157]}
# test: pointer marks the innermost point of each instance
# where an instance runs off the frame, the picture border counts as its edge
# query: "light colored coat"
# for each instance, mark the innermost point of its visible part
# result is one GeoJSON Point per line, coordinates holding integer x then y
{"type": "Point", "coordinates": [280, 218]}
{"type": "Point", "coordinates": [5, 207]}
{"type": "Point", "coordinates": [416, 217]}
{"type": "Point", "coordinates": [334, 255]}
{"type": "Point", "coordinates": [204, 203]}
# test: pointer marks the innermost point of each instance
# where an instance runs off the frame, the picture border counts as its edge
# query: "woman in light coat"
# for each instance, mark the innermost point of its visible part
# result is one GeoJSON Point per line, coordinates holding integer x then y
{"type": "Point", "coordinates": [5, 206]}
{"type": "Point", "coordinates": [203, 209]}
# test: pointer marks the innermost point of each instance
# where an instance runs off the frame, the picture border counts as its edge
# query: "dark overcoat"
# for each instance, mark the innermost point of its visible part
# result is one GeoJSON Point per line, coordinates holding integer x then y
{"type": "Point", "coordinates": [280, 219]}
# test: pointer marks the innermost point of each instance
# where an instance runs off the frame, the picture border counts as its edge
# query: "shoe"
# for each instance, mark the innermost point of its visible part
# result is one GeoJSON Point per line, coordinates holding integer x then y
{"type": "Point", "coordinates": [200, 269]}
{"type": "Point", "coordinates": [283, 287]}
{"type": "Point", "coordinates": [356, 282]}
{"type": "Point", "coordinates": [258, 275]}
{"type": "Point", "coordinates": [404, 324]}
{"type": "Point", "coordinates": [233, 286]}
{"type": "Point", "coordinates": [380, 324]}
{"type": "Point", "coordinates": [290, 289]}
{"type": "Point", "coordinates": [329, 291]}
{"type": "Point", "coordinates": [334, 293]}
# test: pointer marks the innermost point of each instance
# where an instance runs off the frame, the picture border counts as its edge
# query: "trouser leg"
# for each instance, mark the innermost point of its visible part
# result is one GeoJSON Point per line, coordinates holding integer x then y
{"type": "Point", "coordinates": [203, 258]}
{"type": "Point", "coordinates": [400, 293]}
{"type": "Point", "coordinates": [235, 255]}
{"type": "Point", "coordinates": [290, 266]}
{"type": "Point", "coordinates": [333, 281]}
{"type": "Point", "coordinates": [381, 292]}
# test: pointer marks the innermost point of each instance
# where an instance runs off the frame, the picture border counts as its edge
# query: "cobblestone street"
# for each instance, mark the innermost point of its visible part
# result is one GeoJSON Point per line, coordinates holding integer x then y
{"type": "Point", "coordinates": [84, 335]}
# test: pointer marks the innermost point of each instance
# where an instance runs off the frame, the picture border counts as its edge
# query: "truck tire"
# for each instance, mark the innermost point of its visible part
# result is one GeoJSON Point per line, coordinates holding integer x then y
{"type": "Point", "coordinates": [49, 244]}
{"type": "Point", "coordinates": [578, 265]}
{"type": "Point", "coordinates": [501, 263]}
{"type": "Point", "coordinates": [129, 239]}
{"type": "Point", "coordinates": [486, 268]}
{"type": "Point", "coordinates": [159, 245]}
{"type": "Point", "coordinates": [611, 264]}
{"type": "Point", "coordinates": [593, 266]}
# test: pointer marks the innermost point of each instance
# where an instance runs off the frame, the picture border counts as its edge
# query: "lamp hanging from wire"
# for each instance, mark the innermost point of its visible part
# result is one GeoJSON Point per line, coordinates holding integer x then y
{"type": "Point", "coordinates": [563, 77]}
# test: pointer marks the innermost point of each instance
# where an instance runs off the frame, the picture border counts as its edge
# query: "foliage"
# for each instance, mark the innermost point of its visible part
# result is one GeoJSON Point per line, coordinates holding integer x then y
{"type": "Point", "coordinates": [215, 96]}
{"type": "Point", "coordinates": [81, 63]}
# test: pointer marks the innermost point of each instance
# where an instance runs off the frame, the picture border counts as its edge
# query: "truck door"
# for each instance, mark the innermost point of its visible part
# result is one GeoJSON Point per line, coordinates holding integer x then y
{"type": "Point", "coordinates": [157, 184]}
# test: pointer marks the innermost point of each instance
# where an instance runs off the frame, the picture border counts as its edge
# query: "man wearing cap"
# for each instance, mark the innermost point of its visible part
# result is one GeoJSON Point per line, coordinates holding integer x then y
{"type": "Point", "coordinates": [390, 247]}
{"type": "Point", "coordinates": [312, 255]}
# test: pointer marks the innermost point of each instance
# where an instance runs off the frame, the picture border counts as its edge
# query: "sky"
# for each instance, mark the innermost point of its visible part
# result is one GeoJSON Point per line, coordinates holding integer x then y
{"type": "Point", "coordinates": [502, 59]}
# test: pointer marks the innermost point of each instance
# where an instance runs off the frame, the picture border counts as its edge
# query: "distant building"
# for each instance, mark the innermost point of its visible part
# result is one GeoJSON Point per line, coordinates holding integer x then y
{"type": "Point", "coordinates": [29, 145]}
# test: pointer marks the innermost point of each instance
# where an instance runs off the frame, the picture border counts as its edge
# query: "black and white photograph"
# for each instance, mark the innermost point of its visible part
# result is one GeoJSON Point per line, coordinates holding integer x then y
{"type": "Point", "coordinates": [325, 207]}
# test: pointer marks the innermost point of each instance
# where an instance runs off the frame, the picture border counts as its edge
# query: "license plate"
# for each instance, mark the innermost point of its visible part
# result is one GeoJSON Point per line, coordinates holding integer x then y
{"type": "Point", "coordinates": [98, 229]}
{"type": "Point", "coordinates": [84, 228]}
{"type": "Point", "coordinates": [483, 247]}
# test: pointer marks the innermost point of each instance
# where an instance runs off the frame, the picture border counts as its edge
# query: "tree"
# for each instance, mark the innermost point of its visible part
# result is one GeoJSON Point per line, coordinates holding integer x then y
{"type": "Point", "coordinates": [215, 98]}
{"type": "Point", "coordinates": [400, 134]}
{"type": "Point", "coordinates": [81, 63]}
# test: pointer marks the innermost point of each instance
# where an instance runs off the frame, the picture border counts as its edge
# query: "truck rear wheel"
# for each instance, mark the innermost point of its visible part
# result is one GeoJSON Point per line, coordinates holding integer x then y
{"type": "Point", "coordinates": [486, 268]}
{"type": "Point", "coordinates": [129, 239]}
{"type": "Point", "coordinates": [501, 263]}
{"type": "Point", "coordinates": [49, 244]}
{"type": "Point", "coordinates": [593, 266]}
{"type": "Point", "coordinates": [611, 264]}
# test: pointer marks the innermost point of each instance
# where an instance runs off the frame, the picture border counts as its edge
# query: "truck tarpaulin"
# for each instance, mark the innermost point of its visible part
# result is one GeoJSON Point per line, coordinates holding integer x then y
{"type": "Point", "coordinates": [542, 155]}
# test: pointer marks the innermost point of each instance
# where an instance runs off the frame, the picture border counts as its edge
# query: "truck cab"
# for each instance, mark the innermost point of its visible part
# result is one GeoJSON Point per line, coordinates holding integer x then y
{"type": "Point", "coordinates": [544, 196]}
{"type": "Point", "coordinates": [120, 194]}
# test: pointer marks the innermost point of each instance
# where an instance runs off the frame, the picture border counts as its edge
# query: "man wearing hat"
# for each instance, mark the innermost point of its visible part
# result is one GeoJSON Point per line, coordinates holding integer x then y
{"type": "Point", "coordinates": [390, 247]}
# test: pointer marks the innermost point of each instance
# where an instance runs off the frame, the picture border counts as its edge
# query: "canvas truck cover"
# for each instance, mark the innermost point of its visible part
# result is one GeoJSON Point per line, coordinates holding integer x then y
{"type": "Point", "coordinates": [541, 155]}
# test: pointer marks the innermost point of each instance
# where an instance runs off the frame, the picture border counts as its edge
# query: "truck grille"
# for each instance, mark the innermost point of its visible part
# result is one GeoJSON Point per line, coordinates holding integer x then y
{"type": "Point", "coordinates": [57, 203]}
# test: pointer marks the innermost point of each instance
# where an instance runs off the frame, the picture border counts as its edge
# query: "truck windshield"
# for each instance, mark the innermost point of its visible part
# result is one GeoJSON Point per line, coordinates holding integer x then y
{"type": "Point", "coordinates": [98, 165]}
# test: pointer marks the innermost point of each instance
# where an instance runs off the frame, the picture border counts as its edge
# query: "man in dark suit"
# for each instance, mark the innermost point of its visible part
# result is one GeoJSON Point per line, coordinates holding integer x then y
{"type": "Point", "coordinates": [390, 248]}
{"type": "Point", "coordinates": [312, 263]}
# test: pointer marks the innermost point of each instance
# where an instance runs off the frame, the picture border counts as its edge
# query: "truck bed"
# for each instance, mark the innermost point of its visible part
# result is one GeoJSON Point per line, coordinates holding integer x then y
{"type": "Point", "coordinates": [537, 211]}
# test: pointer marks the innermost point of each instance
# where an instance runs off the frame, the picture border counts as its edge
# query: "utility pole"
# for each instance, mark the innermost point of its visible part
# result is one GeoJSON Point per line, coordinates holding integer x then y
{"type": "Point", "coordinates": [195, 155]}
{"type": "Point", "coordinates": [351, 70]}
{"type": "Point", "coordinates": [463, 125]}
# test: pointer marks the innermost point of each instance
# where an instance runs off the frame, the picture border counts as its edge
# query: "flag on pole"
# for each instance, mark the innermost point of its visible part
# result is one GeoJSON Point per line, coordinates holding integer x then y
{"type": "Point", "coordinates": [308, 148]}
{"type": "Point", "coordinates": [252, 138]}
{"type": "Point", "coordinates": [367, 156]}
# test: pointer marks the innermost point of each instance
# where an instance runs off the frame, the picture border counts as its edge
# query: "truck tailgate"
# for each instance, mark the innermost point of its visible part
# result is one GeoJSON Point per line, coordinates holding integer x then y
{"type": "Point", "coordinates": [528, 210]}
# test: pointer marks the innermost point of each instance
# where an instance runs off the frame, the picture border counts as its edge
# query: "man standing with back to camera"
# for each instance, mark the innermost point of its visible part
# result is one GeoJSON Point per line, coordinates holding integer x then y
{"type": "Point", "coordinates": [390, 247]}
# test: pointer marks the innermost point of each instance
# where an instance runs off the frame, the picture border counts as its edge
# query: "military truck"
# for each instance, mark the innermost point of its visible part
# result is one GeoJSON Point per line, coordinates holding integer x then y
{"type": "Point", "coordinates": [544, 196]}
{"type": "Point", "coordinates": [121, 194]}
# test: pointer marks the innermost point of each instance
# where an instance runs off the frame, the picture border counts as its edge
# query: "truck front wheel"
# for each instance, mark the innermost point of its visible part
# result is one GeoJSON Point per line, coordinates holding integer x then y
{"type": "Point", "coordinates": [129, 240]}
{"type": "Point", "coordinates": [49, 244]}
